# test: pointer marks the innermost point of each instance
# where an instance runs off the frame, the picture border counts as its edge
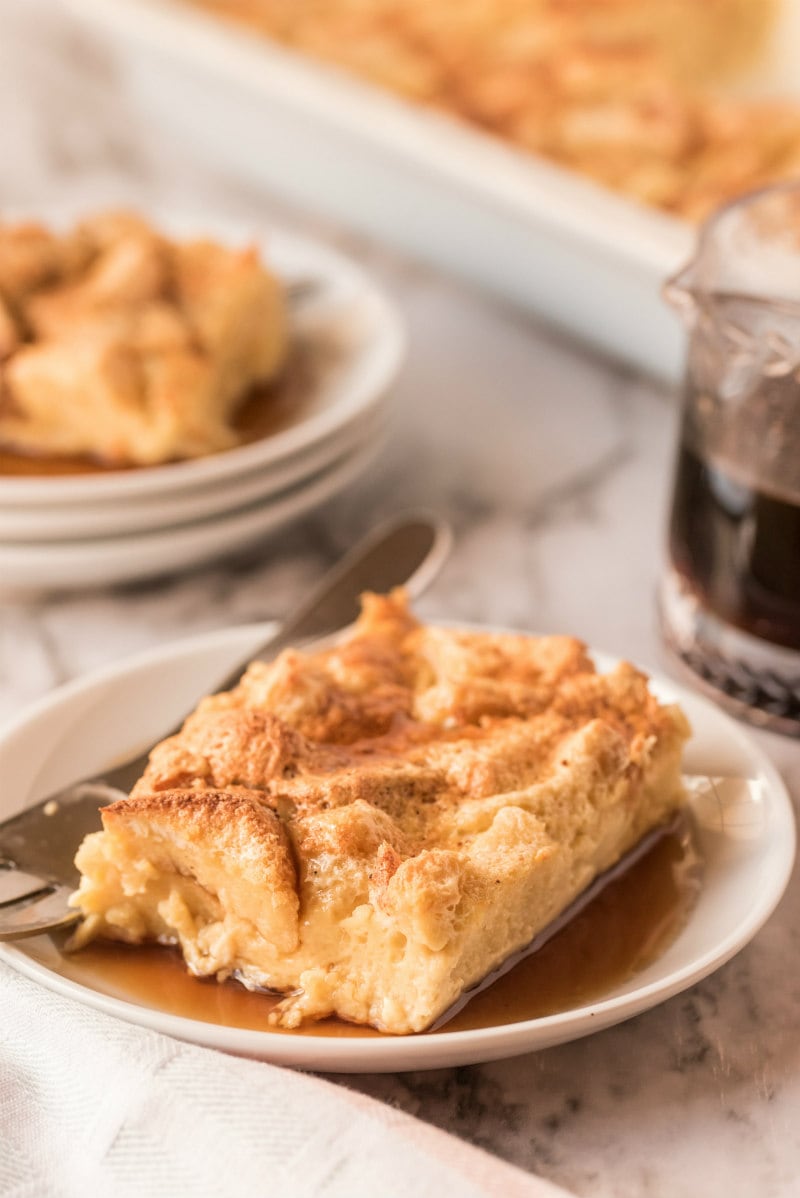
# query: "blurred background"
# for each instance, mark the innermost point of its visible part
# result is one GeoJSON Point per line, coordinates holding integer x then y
{"type": "Point", "coordinates": [556, 152]}
{"type": "Point", "coordinates": [555, 155]}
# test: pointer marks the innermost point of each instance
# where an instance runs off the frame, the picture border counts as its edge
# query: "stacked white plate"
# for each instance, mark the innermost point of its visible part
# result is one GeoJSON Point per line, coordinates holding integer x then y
{"type": "Point", "coordinates": [93, 529]}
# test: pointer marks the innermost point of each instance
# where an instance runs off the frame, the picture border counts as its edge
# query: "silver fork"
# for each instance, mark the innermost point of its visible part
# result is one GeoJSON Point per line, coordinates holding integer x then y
{"type": "Point", "coordinates": [37, 846]}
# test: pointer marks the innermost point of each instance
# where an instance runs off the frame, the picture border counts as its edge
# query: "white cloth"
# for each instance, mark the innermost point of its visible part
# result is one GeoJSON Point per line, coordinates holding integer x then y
{"type": "Point", "coordinates": [91, 1107]}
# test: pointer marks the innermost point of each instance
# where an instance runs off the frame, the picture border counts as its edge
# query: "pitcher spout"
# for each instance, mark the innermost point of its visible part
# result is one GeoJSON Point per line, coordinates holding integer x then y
{"type": "Point", "coordinates": [680, 291]}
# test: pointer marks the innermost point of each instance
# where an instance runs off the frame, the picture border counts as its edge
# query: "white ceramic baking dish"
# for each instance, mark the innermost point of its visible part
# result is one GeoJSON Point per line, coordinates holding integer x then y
{"type": "Point", "coordinates": [586, 260]}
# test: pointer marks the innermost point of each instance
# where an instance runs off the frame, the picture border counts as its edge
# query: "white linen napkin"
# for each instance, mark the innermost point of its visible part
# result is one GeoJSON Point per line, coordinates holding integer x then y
{"type": "Point", "coordinates": [91, 1107]}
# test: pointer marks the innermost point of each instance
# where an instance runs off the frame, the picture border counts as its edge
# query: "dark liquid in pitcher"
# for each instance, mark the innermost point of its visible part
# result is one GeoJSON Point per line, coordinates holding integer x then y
{"type": "Point", "coordinates": [737, 547]}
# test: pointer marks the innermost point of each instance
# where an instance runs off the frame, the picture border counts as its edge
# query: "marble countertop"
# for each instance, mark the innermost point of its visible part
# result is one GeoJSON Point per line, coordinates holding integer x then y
{"type": "Point", "coordinates": [559, 519]}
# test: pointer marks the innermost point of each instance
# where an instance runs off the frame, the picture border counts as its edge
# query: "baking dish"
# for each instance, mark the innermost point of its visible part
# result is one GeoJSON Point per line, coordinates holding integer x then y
{"type": "Point", "coordinates": [586, 260]}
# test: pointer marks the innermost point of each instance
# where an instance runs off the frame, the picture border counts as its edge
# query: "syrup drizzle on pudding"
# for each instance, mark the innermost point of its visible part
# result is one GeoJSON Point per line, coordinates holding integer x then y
{"type": "Point", "coordinates": [628, 925]}
{"type": "Point", "coordinates": [267, 410]}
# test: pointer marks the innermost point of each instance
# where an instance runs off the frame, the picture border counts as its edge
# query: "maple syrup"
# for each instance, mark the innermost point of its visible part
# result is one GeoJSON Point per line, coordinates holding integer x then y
{"type": "Point", "coordinates": [627, 926]}
{"type": "Point", "coordinates": [737, 546]}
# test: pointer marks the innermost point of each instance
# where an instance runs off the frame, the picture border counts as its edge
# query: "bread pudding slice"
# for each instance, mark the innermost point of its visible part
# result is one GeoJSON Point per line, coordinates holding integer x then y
{"type": "Point", "coordinates": [119, 344]}
{"type": "Point", "coordinates": [371, 829]}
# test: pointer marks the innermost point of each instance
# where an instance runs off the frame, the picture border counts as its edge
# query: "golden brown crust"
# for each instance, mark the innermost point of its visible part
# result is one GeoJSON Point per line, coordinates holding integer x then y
{"type": "Point", "coordinates": [229, 842]}
{"type": "Point", "coordinates": [426, 799]}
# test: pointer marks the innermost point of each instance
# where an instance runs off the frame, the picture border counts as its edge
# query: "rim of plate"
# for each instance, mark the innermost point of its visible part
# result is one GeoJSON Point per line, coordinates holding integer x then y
{"type": "Point", "coordinates": [165, 551]}
{"type": "Point", "coordinates": [435, 1049]}
{"type": "Point", "coordinates": [148, 514]}
{"type": "Point", "coordinates": [375, 361]}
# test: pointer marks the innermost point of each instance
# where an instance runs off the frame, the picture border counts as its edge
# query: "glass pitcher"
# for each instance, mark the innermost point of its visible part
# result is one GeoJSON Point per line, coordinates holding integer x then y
{"type": "Point", "coordinates": [730, 596]}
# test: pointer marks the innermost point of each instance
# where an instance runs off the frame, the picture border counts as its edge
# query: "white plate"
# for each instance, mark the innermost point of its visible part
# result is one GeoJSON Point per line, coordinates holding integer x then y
{"type": "Point", "coordinates": [747, 847]}
{"type": "Point", "coordinates": [346, 306]}
{"type": "Point", "coordinates": [150, 513]}
{"type": "Point", "coordinates": [108, 561]}
{"type": "Point", "coordinates": [589, 261]}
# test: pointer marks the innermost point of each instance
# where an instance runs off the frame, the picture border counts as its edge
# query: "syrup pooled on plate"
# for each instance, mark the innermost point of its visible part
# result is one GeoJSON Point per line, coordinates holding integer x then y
{"type": "Point", "coordinates": [627, 926]}
{"type": "Point", "coordinates": [266, 411]}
